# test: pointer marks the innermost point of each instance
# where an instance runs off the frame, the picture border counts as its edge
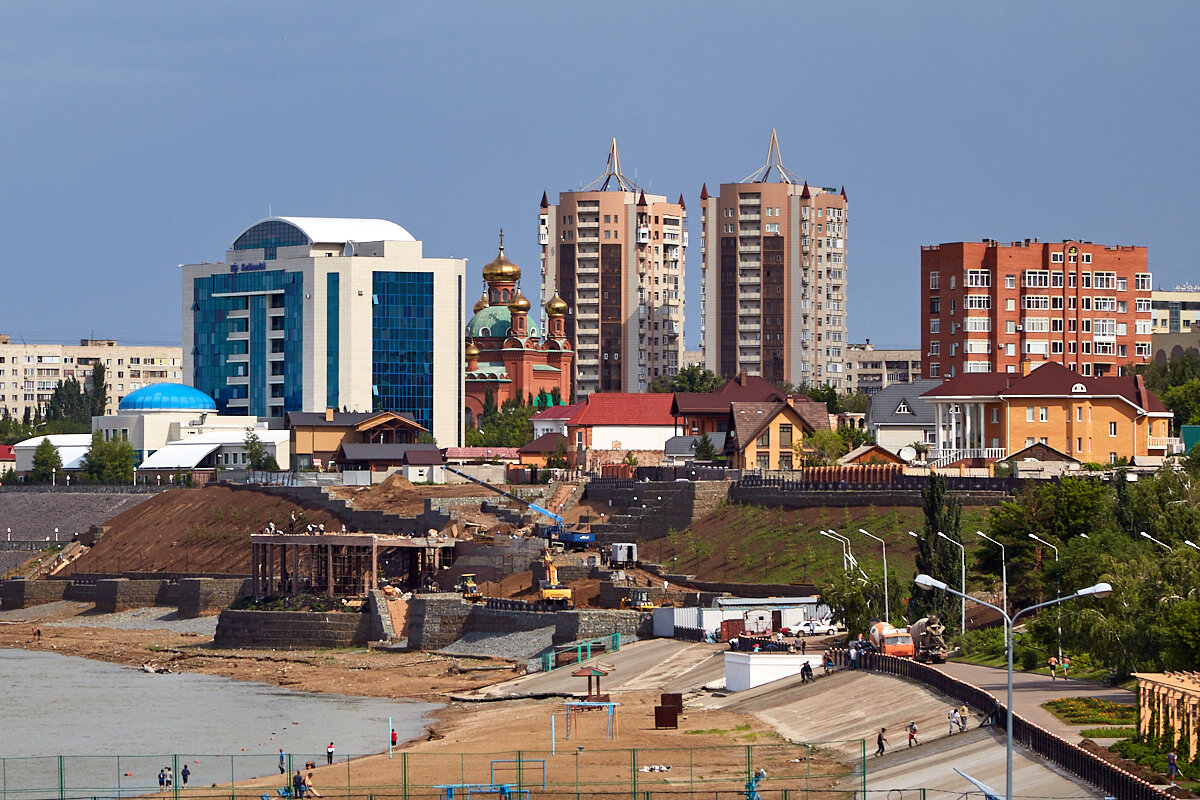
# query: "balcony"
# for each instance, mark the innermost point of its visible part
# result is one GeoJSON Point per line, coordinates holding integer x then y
{"type": "Point", "coordinates": [1172, 444]}
{"type": "Point", "coordinates": [940, 458]}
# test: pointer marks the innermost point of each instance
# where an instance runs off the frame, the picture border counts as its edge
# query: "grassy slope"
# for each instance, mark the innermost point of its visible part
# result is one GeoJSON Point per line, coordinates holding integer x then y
{"type": "Point", "coordinates": [757, 544]}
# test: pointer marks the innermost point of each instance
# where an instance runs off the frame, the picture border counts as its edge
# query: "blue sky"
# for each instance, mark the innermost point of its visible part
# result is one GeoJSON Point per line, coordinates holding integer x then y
{"type": "Point", "coordinates": [141, 136]}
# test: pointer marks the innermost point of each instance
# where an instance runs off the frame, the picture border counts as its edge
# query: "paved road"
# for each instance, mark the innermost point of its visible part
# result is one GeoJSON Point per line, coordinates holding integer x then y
{"type": "Point", "coordinates": [1031, 689]}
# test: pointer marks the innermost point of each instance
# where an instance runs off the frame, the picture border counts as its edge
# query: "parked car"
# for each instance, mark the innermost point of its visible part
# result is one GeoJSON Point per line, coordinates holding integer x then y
{"type": "Point", "coordinates": [823, 627]}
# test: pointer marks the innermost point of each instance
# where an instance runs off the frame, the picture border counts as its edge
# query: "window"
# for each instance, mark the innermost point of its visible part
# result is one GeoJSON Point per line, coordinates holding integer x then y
{"type": "Point", "coordinates": [935, 280]}
{"type": "Point", "coordinates": [1037, 302]}
{"type": "Point", "coordinates": [785, 436]}
{"type": "Point", "coordinates": [979, 346]}
{"type": "Point", "coordinates": [935, 348]}
{"type": "Point", "coordinates": [952, 281]}
{"type": "Point", "coordinates": [980, 278]}
{"type": "Point", "coordinates": [1056, 280]}
{"type": "Point", "coordinates": [1037, 324]}
{"type": "Point", "coordinates": [1112, 429]}
{"type": "Point", "coordinates": [764, 459]}
{"type": "Point", "coordinates": [1037, 279]}
{"type": "Point", "coordinates": [935, 305]}
{"type": "Point", "coordinates": [1122, 284]}
{"type": "Point", "coordinates": [1086, 257]}
{"type": "Point", "coordinates": [1112, 458]}
{"type": "Point", "coordinates": [1141, 348]}
{"type": "Point", "coordinates": [1010, 327]}
{"type": "Point", "coordinates": [978, 324]}
{"type": "Point", "coordinates": [785, 461]}
{"type": "Point", "coordinates": [765, 439]}
{"type": "Point", "coordinates": [935, 369]}
{"type": "Point", "coordinates": [1078, 444]}
{"type": "Point", "coordinates": [1104, 280]}
{"type": "Point", "coordinates": [1056, 348]}
{"type": "Point", "coordinates": [980, 302]}
{"type": "Point", "coordinates": [1086, 348]}
{"type": "Point", "coordinates": [903, 408]}
{"type": "Point", "coordinates": [1143, 281]}
{"type": "Point", "coordinates": [1030, 441]}
{"type": "Point", "coordinates": [1056, 325]}
{"type": "Point", "coordinates": [1071, 348]}
{"type": "Point", "coordinates": [1043, 414]}
{"type": "Point", "coordinates": [1056, 302]}
{"type": "Point", "coordinates": [935, 326]}
{"type": "Point", "coordinates": [1079, 413]}
{"type": "Point", "coordinates": [1056, 258]}
{"type": "Point", "coordinates": [995, 415]}
{"type": "Point", "coordinates": [1010, 349]}
{"type": "Point", "coordinates": [1010, 304]}
{"type": "Point", "coordinates": [1072, 280]}
{"type": "Point", "coordinates": [1142, 327]}
{"type": "Point", "coordinates": [1142, 305]}
{"type": "Point", "coordinates": [1010, 281]}
{"type": "Point", "coordinates": [1029, 414]}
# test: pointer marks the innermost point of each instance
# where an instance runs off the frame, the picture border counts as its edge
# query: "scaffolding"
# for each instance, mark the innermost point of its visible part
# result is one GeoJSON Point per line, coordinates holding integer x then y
{"type": "Point", "coordinates": [343, 564]}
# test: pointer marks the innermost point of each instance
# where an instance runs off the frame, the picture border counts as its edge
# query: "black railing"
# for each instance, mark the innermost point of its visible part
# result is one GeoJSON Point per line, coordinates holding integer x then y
{"type": "Point", "coordinates": [1111, 779]}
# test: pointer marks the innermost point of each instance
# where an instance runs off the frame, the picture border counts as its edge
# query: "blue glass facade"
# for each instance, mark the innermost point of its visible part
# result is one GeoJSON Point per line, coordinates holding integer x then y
{"type": "Point", "coordinates": [269, 236]}
{"type": "Point", "coordinates": [402, 344]}
{"type": "Point", "coordinates": [333, 304]}
{"type": "Point", "coordinates": [264, 317]}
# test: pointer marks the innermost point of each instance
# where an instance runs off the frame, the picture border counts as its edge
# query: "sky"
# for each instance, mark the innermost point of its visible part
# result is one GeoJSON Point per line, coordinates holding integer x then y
{"type": "Point", "coordinates": [140, 136]}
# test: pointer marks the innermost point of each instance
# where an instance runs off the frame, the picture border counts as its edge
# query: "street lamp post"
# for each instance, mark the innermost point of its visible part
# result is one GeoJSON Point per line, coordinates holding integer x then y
{"type": "Point", "coordinates": [1191, 544]}
{"type": "Point", "coordinates": [1035, 537]}
{"type": "Point", "coordinates": [887, 608]}
{"type": "Point", "coordinates": [963, 567]}
{"type": "Point", "coordinates": [1099, 590]}
{"type": "Point", "coordinates": [845, 559]}
{"type": "Point", "coordinates": [1003, 568]}
{"type": "Point", "coordinates": [1166, 547]}
{"type": "Point", "coordinates": [849, 554]}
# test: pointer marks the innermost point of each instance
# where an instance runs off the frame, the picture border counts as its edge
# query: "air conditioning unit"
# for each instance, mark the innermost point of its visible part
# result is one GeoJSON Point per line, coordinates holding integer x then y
{"type": "Point", "coordinates": [1020, 328]}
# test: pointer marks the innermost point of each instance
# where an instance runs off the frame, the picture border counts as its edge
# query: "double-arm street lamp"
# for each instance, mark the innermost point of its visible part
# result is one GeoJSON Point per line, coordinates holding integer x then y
{"type": "Point", "coordinates": [963, 564]}
{"type": "Point", "coordinates": [1099, 590]}
{"type": "Point", "coordinates": [1003, 568]}
{"type": "Point", "coordinates": [1164, 546]}
{"type": "Point", "coordinates": [842, 542]}
{"type": "Point", "coordinates": [887, 609]}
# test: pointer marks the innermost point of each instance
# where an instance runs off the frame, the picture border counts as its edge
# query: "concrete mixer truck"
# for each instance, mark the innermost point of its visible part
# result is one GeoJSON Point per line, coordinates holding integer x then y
{"type": "Point", "coordinates": [890, 640]}
{"type": "Point", "coordinates": [928, 639]}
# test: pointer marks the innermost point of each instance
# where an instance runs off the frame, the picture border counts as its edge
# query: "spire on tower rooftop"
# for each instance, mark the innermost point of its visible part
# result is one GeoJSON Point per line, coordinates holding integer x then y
{"type": "Point", "coordinates": [774, 160]}
{"type": "Point", "coordinates": [612, 171]}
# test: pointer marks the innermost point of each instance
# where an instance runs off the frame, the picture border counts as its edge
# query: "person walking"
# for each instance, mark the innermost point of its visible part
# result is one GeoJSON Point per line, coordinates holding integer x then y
{"type": "Point", "coordinates": [329, 754]}
{"type": "Point", "coordinates": [881, 740]}
{"type": "Point", "coordinates": [162, 779]}
{"type": "Point", "coordinates": [282, 762]}
{"type": "Point", "coordinates": [184, 774]}
{"type": "Point", "coordinates": [953, 717]}
{"type": "Point", "coordinates": [803, 646]}
{"type": "Point", "coordinates": [912, 734]}
{"type": "Point", "coordinates": [170, 778]}
{"type": "Point", "coordinates": [964, 714]}
{"type": "Point", "coordinates": [395, 737]}
{"type": "Point", "coordinates": [1172, 766]}
{"type": "Point", "coordinates": [1053, 662]}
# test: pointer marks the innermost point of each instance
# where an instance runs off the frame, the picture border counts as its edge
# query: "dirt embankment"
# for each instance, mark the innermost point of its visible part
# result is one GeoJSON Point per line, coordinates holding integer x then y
{"type": "Point", "coordinates": [397, 495]}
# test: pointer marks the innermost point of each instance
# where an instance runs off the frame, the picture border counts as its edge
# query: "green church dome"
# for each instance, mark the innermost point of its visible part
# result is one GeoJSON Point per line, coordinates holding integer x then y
{"type": "Point", "coordinates": [495, 321]}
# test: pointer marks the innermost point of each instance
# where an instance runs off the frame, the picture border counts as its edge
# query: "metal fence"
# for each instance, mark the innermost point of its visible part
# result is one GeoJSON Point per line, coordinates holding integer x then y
{"type": "Point", "coordinates": [1110, 778]}
{"type": "Point", "coordinates": [797, 482]}
{"type": "Point", "coordinates": [792, 772]}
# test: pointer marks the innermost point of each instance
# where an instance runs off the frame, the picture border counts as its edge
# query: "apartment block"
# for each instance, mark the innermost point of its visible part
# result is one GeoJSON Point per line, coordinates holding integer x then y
{"type": "Point", "coordinates": [1175, 310]}
{"type": "Point", "coordinates": [774, 277]}
{"type": "Point", "coordinates": [615, 255]}
{"type": "Point", "coordinates": [29, 373]}
{"type": "Point", "coordinates": [869, 369]}
{"type": "Point", "coordinates": [989, 307]}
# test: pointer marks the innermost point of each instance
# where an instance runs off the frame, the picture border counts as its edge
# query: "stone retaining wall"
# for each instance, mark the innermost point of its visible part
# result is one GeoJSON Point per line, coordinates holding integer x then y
{"type": "Point", "coordinates": [198, 596]}
{"type": "Point", "coordinates": [292, 630]}
{"type": "Point", "coordinates": [437, 620]}
{"type": "Point", "coordinates": [192, 596]}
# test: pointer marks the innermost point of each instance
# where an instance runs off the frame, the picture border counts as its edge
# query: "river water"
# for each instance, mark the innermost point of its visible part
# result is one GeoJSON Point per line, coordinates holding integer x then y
{"type": "Point", "coordinates": [93, 712]}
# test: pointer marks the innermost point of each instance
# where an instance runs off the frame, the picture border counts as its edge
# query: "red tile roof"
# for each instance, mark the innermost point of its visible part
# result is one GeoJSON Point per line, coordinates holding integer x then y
{"type": "Point", "coordinates": [618, 408]}
{"type": "Point", "coordinates": [546, 443]}
{"type": "Point", "coordinates": [6, 453]}
{"type": "Point", "coordinates": [742, 389]}
{"type": "Point", "coordinates": [558, 412]}
{"type": "Point", "coordinates": [481, 452]}
{"type": "Point", "coordinates": [1050, 380]}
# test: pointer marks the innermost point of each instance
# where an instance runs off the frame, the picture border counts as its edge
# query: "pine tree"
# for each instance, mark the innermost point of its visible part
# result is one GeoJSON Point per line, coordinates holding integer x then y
{"type": "Point", "coordinates": [99, 393]}
{"type": "Point", "coordinates": [937, 557]}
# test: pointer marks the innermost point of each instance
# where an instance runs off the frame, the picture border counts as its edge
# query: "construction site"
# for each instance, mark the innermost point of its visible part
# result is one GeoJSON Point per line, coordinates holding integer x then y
{"type": "Point", "coordinates": [633, 614]}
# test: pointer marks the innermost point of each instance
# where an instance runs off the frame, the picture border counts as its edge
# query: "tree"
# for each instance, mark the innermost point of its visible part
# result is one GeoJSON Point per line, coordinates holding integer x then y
{"type": "Point", "coordinates": [1184, 401]}
{"type": "Point", "coordinates": [689, 379]}
{"type": "Point", "coordinates": [854, 600]}
{"type": "Point", "coordinates": [425, 437]}
{"type": "Point", "coordinates": [820, 448]}
{"type": "Point", "coordinates": [558, 459]}
{"type": "Point", "coordinates": [99, 394]}
{"type": "Point", "coordinates": [936, 556]}
{"type": "Point", "coordinates": [508, 426]}
{"type": "Point", "coordinates": [853, 438]}
{"type": "Point", "coordinates": [705, 451]}
{"type": "Point", "coordinates": [108, 462]}
{"type": "Point", "coordinates": [46, 461]}
{"type": "Point", "coordinates": [258, 459]}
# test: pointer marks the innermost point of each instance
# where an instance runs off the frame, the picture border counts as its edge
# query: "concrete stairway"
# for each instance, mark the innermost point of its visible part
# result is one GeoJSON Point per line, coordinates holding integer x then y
{"type": "Point", "coordinates": [642, 511]}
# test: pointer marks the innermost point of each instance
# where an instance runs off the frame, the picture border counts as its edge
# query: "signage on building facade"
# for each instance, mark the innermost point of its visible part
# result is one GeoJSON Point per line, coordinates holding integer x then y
{"type": "Point", "coordinates": [247, 267]}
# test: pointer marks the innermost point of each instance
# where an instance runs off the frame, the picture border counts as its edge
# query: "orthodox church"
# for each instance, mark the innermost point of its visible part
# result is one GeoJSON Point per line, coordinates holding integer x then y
{"type": "Point", "coordinates": [506, 355]}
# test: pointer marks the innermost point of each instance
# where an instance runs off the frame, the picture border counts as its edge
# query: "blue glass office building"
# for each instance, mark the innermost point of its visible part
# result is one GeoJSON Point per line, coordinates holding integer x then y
{"type": "Point", "coordinates": [310, 313]}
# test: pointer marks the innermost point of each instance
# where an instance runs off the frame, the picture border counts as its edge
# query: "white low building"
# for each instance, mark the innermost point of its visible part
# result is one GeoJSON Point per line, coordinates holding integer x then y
{"type": "Point", "coordinates": [72, 447]}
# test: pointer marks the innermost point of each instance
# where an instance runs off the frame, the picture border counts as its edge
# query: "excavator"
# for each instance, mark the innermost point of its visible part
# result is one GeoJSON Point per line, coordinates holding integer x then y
{"type": "Point", "coordinates": [549, 589]}
{"type": "Point", "coordinates": [557, 532]}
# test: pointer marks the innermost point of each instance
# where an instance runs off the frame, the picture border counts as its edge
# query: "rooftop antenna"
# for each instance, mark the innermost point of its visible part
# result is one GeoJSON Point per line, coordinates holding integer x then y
{"type": "Point", "coordinates": [612, 171]}
{"type": "Point", "coordinates": [774, 160]}
{"type": "Point", "coordinates": [269, 214]}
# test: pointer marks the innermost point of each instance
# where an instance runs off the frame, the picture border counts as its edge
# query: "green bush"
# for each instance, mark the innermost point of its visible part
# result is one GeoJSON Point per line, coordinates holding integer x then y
{"type": "Point", "coordinates": [1030, 658]}
{"type": "Point", "coordinates": [987, 641]}
{"type": "Point", "coordinates": [1109, 733]}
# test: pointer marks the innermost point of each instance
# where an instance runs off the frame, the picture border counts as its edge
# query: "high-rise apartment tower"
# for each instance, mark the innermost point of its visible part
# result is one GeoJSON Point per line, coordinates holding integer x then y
{"type": "Point", "coordinates": [615, 255]}
{"type": "Point", "coordinates": [774, 277]}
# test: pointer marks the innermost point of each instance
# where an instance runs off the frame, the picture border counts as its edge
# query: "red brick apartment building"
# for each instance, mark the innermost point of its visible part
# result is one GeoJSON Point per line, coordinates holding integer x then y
{"type": "Point", "coordinates": [988, 307]}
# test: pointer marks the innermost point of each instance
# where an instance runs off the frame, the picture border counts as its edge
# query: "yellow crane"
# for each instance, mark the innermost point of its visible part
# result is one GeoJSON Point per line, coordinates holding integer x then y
{"type": "Point", "coordinates": [549, 589]}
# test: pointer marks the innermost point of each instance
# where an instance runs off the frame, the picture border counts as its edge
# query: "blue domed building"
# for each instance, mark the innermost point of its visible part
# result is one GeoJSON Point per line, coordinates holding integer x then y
{"type": "Point", "coordinates": [173, 427]}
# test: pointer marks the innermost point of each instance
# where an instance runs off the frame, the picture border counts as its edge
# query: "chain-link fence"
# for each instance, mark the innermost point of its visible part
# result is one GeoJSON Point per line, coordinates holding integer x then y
{"type": "Point", "coordinates": [800, 771]}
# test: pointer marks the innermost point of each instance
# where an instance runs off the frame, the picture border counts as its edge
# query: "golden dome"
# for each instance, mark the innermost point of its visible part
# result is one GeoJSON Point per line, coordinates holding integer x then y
{"type": "Point", "coordinates": [472, 351]}
{"type": "Point", "coordinates": [481, 303]}
{"type": "Point", "coordinates": [557, 307]}
{"type": "Point", "coordinates": [519, 304]}
{"type": "Point", "coordinates": [501, 269]}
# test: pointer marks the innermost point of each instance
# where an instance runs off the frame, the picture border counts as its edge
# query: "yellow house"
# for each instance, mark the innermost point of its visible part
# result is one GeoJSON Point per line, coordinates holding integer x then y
{"type": "Point", "coordinates": [991, 415]}
{"type": "Point", "coordinates": [762, 435]}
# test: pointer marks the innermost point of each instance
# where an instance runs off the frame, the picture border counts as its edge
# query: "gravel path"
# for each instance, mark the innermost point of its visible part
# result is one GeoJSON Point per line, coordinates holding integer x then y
{"type": "Point", "coordinates": [143, 619]}
{"type": "Point", "coordinates": [515, 646]}
{"type": "Point", "coordinates": [39, 612]}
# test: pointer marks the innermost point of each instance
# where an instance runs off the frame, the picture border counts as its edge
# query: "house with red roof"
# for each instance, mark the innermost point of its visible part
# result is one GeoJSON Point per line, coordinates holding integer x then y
{"type": "Point", "coordinates": [985, 416]}
{"type": "Point", "coordinates": [8, 460]}
{"type": "Point", "coordinates": [609, 425]}
{"type": "Point", "coordinates": [698, 413]}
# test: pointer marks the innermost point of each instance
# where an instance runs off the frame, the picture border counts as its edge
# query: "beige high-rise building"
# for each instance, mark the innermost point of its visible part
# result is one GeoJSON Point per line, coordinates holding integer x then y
{"type": "Point", "coordinates": [774, 278]}
{"type": "Point", "coordinates": [615, 254]}
{"type": "Point", "coordinates": [29, 373]}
